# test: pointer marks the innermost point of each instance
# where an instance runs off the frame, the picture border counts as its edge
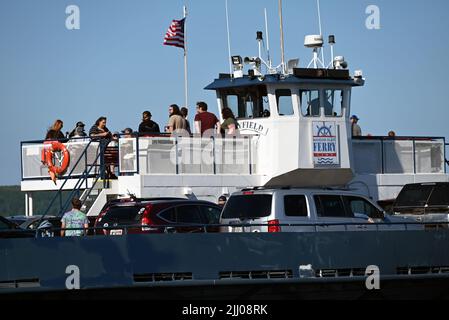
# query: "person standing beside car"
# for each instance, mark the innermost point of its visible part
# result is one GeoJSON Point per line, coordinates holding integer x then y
{"type": "Point", "coordinates": [74, 219]}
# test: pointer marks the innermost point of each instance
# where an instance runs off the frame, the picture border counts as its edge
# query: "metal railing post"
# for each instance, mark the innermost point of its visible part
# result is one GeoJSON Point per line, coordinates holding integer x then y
{"type": "Point", "coordinates": [214, 150]}
{"type": "Point", "coordinates": [414, 156]}
{"type": "Point", "coordinates": [382, 152]}
{"type": "Point", "coordinates": [176, 151]}
{"type": "Point", "coordinates": [137, 155]}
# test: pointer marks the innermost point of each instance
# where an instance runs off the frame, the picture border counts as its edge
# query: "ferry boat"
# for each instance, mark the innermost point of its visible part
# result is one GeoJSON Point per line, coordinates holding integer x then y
{"type": "Point", "coordinates": [294, 131]}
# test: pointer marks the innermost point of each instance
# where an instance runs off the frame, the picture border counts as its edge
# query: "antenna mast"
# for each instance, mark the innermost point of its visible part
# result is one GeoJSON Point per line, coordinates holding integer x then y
{"type": "Point", "coordinates": [281, 22]}
{"type": "Point", "coordinates": [268, 39]}
{"type": "Point", "coordinates": [321, 29]}
{"type": "Point", "coordinates": [229, 39]}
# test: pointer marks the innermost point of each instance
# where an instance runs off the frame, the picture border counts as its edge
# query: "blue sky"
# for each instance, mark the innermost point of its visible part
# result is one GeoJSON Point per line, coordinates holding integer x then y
{"type": "Point", "coordinates": [116, 66]}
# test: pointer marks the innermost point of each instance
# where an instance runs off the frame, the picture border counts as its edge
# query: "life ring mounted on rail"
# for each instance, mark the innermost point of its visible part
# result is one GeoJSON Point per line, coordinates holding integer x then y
{"type": "Point", "coordinates": [57, 163]}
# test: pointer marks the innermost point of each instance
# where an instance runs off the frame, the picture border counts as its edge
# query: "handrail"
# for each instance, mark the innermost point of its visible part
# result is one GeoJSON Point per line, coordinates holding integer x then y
{"type": "Point", "coordinates": [85, 176]}
{"type": "Point", "coordinates": [398, 138]}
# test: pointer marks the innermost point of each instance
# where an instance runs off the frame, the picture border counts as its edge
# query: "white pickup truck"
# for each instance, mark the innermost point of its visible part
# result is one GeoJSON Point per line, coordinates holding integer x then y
{"type": "Point", "coordinates": [306, 210]}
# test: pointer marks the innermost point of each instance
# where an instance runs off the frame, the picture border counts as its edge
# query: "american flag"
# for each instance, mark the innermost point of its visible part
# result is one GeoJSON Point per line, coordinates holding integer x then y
{"type": "Point", "coordinates": [175, 34]}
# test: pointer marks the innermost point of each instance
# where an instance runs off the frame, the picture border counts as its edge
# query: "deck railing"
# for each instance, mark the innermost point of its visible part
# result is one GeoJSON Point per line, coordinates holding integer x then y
{"type": "Point", "coordinates": [186, 155]}
{"type": "Point", "coordinates": [163, 154]}
{"type": "Point", "coordinates": [401, 155]}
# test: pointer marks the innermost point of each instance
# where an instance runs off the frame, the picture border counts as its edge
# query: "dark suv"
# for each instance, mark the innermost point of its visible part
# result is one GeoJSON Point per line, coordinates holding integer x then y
{"type": "Point", "coordinates": [9, 229]}
{"type": "Point", "coordinates": [424, 202]}
{"type": "Point", "coordinates": [159, 216]}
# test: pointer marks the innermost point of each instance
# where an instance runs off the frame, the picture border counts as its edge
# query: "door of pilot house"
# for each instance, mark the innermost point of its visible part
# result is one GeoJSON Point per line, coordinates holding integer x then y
{"type": "Point", "coordinates": [333, 215]}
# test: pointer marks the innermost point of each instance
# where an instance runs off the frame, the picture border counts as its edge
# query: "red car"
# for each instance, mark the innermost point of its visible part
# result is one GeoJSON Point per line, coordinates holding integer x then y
{"type": "Point", "coordinates": [159, 216]}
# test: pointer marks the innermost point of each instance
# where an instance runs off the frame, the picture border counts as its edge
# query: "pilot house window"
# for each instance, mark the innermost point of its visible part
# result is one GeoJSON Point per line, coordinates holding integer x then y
{"type": "Point", "coordinates": [284, 102]}
{"type": "Point", "coordinates": [247, 102]}
{"type": "Point", "coordinates": [331, 102]}
{"type": "Point", "coordinates": [310, 103]}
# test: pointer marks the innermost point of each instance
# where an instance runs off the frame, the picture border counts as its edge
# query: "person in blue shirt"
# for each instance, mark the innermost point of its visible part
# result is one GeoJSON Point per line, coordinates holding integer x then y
{"type": "Point", "coordinates": [74, 219]}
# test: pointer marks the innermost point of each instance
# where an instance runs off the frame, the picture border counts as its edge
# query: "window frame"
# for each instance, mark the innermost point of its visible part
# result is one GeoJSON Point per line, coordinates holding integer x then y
{"type": "Point", "coordinates": [306, 204]}
{"type": "Point", "coordinates": [177, 208]}
{"type": "Point", "coordinates": [319, 207]}
{"type": "Point", "coordinates": [277, 97]}
{"type": "Point", "coordinates": [347, 200]}
{"type": "Point", "coordinates": [258, 91]}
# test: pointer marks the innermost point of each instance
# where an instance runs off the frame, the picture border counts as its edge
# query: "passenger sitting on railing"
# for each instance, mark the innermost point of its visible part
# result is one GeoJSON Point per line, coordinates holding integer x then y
{"type": "Point", "coordinates": [148, 126]}
{"type": "Point", "coordinates": [53, 134]}
{"type": "Point", "coordinates": [230, 124]}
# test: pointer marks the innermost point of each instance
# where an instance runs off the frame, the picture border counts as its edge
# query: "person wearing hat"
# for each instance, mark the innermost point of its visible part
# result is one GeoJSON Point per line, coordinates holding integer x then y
{"type": "Point", "coordinates": [222, 201]}
{"type": "Point", "coordinates": [356, 130]}
{"type": "Point", "coordinates": [78, 132]}
{"type": "Point", "coordinates": [148, 126]}
{"type": "Point", "coordinates": [127, 133]}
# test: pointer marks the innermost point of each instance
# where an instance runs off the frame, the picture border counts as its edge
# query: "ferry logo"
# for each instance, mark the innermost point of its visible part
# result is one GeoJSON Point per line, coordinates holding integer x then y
{"type": "Point", "coordinates": [325, 144]}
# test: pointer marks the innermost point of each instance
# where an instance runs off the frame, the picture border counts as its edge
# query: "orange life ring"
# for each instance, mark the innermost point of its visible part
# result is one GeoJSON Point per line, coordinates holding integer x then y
{"type": "Point", "coordinates": [49, 157]}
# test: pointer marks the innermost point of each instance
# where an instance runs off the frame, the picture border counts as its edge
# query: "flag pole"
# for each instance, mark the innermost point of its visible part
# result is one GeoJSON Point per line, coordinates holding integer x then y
{"type": "Point", "coordinates": [186, 84]}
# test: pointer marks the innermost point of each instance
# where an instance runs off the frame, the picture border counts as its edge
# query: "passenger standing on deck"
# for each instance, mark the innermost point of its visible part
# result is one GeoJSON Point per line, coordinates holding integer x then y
{"type": "Point", "coordinates": [55, 133]}
{"type": "Point", "coordinates": [148, 126]}
{"type": "Point", "coordinates": [176, 123]}
{"type": "Point", "coordinates": [185, 113]}
{"type": "Point", "coordinates": [100, 132]}
{"type": "Point", "coordinates": [99, 129]}
{"type": "Point", "coordinates": [230, 124]}
{"type": "Point", "coordinates": [356, 130]}
{"type": "Point", "coordinates": [204, 120]}
{"type": "Point", "coordinates": [74, 219]}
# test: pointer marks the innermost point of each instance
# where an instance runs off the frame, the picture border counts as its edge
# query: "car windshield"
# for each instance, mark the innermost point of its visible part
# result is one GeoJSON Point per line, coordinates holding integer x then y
{"type": "Point", "coordinates": [422, 199]}
{"type": "Point", "coordinates": [250, 206]}
{"type": "Point", "coordinates": [440, 196]}
{"type": "Point", "coordinates": [415, 196]}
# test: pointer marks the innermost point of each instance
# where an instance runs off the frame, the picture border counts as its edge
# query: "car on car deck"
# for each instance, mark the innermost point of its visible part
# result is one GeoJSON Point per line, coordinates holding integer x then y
{"type": "Point", "coordinates": [9, 229]}
{"type": "Point", "coordinates": [424, 202]}
{"type": "Point", "coordinates": [304, 210]}
{"type": "Point", "coordinates": [159, 216]}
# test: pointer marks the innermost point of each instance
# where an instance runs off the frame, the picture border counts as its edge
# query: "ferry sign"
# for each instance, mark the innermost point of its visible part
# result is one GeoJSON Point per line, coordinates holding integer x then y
{"type": "Point", "coordinates": [253, 126]}
{"type": "Point", "coordinates": [325, 144]}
